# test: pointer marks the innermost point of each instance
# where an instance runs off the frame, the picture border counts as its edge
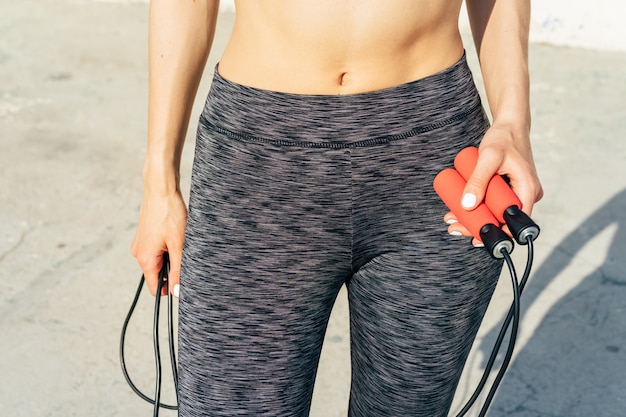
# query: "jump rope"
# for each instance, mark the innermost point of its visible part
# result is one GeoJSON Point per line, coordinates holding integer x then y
{"type": "Point", "coordinates": [500, 207]}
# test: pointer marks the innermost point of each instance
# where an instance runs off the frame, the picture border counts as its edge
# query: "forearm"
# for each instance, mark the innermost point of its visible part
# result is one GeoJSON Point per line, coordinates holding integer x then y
{"type": "Point", "coordinates": [500, 29]}
{"type": "Point", "coordinates": [180, 37]}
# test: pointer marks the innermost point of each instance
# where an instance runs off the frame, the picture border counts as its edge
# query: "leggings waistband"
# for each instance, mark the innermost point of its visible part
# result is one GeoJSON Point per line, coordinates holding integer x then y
{"type": "Point", "coordinates": [362, 119]}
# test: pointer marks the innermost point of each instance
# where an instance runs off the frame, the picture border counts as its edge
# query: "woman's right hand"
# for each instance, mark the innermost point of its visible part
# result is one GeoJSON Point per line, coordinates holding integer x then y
{"type": "Point", "coordinates": [161, 228]}
{"type": "Point", "coordinates": [179, 41]}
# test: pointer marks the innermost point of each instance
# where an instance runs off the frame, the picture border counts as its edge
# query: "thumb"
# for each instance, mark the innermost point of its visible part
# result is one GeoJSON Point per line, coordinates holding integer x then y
{"type": "Point", "coordinates": [474, 192]}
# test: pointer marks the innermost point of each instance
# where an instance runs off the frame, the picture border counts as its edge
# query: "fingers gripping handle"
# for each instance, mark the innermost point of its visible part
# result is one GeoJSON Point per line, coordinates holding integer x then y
{"type": "Point", "coordinates": [449, 185]}
{"type": "Point", "coordinates": [499, 198]}
{"type": "Point", "coordinates": [480, 222]}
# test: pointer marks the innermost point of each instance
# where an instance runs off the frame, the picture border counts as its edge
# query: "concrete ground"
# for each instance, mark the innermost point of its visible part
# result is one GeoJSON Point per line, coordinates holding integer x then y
{"type": "Point", "coordinates": [72, 137]}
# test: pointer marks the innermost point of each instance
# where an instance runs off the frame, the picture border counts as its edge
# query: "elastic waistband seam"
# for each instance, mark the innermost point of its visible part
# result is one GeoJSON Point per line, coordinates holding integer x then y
{"type": "Point", "coordinates": [244, 137]}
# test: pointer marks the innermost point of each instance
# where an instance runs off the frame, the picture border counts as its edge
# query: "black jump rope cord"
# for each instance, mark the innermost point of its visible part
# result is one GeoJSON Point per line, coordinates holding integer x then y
{"type": "Point", "coordinates": [163, 274]}
{"type": "Point", "coordinates": [513, 314]}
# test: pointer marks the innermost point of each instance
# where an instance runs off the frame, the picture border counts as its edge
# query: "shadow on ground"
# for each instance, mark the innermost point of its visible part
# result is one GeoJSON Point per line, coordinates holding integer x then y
{"type": "Point", "coordinates": [574, 363]}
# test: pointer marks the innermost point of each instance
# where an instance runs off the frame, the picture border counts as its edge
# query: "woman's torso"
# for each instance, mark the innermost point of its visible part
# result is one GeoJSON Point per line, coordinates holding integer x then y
{"type": "Point", "coordinates": [340, 47]}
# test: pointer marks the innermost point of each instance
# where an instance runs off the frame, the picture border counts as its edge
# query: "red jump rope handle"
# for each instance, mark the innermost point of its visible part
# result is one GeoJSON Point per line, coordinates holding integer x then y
{"type": "Point", "coordinates": [480, 222]}
{"type": "Point", "coordinates": [499, 195]}
{"type": "Point", "coordinates": [500, 199]}
{"type": "Point", "coordinates": [449, 186]}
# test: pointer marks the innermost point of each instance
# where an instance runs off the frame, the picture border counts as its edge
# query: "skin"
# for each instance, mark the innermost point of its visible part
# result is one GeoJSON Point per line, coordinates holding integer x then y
{"type": "Point", "coordinates": [327, 47]}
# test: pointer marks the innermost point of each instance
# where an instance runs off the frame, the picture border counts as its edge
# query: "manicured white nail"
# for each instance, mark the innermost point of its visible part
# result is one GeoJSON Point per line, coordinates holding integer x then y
{"type": "Point", "coordinates": [452, 221]}
{"type": "Point", "coordinates": [455, 233]}
{"type": "Point", "coordinates": [469, 200]}
{"type": "Point", "coordinates": [176, 290]}
{"type": "Point", "coordinates": [479, 245]}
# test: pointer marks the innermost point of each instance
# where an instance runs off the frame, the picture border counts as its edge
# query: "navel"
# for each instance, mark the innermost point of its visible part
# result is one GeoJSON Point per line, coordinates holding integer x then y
{"type": "Point", "coordinates": [344, 77]}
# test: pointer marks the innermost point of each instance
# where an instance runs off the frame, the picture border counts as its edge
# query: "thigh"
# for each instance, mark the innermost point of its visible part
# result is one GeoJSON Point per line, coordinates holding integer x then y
{"type": "Point", "coordinates": [418, 295]}
{"type": "Point", "coordinates": [261, 269]}
{"type": "Point", "coordinates": [414, 317]}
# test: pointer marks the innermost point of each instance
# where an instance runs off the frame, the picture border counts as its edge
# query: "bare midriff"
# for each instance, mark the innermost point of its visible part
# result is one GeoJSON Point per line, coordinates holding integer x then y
{"type": "Point", "coordinates": [340, 47]}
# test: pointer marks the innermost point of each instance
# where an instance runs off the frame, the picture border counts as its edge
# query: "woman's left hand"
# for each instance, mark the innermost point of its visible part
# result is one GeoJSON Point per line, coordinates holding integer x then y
{"type": "Point", "coordinates": [503, 151]}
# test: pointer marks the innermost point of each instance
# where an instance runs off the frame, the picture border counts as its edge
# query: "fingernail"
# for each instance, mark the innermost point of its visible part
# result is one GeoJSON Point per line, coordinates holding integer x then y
{"type": "Point", "coordinates": [176, 290]}
{"type": "Point", "coordinates": [455, 233]}
{"type": "Point", "coordinates": [469, 200]}
{"type": "Point", "coordinates": [452, 221]}
{"type": "Point", "coordinates": [479, 245]}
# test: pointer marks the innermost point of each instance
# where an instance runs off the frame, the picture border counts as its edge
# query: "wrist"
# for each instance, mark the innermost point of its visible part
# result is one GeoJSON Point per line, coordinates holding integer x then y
{"type": "Point", "coordinates": [513, 111]}
{"type": "Point", "coordinates": [160, 177]}
{"type": "Point", "coordinates": [514, 118]}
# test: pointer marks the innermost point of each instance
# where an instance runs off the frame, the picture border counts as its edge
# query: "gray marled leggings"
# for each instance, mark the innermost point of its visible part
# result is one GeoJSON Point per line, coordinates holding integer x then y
{"type": "Point", "coordinates": [295, 195]}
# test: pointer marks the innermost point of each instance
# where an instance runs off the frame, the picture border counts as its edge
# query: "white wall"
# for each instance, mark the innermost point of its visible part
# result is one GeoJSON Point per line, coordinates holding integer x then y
{"type": "Point", "coordinates": [597, 24]}
{"type": "Point", "coordinates": [228, 4]}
